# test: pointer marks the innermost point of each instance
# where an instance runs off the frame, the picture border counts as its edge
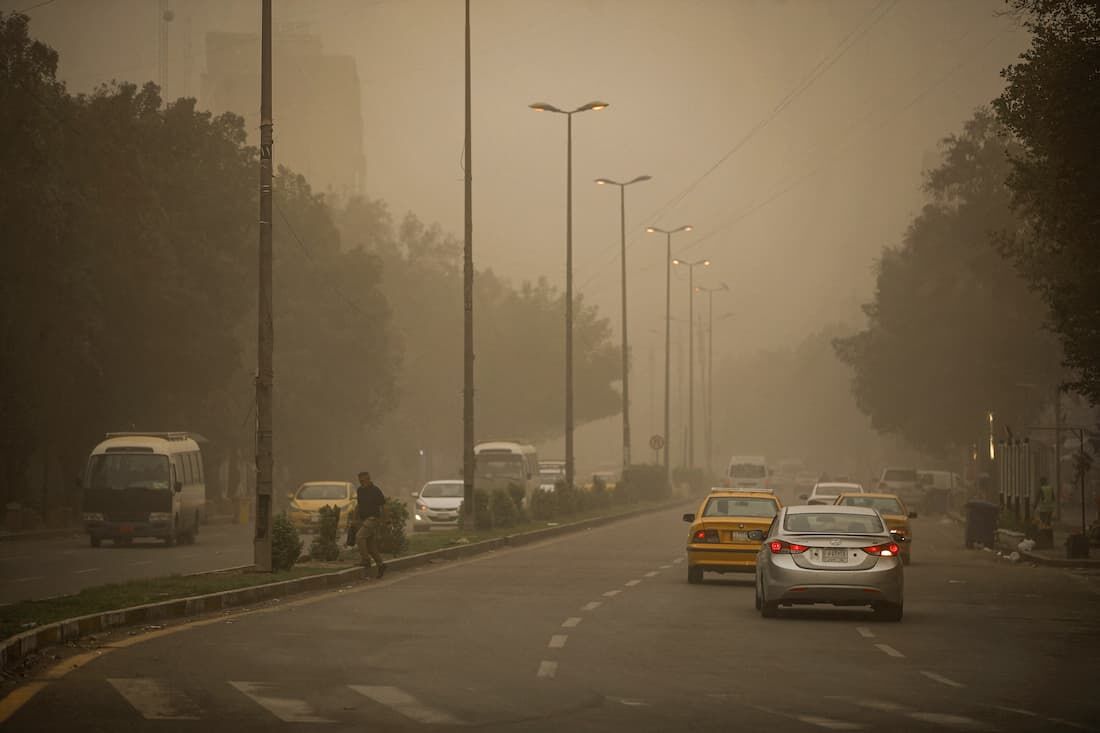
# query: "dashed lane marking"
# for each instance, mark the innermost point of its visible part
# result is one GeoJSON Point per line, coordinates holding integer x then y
{"type": "Point", "coordinates": [28, 579]}
{"type": "Point", "coordinates": [1018, 711]}
{"type": "Point", "coordinates": [665, 567]}
{"type": "Point", "coordinates": [828, 723]}
{"type": "Point", "coordinates": [880, 705]}
{"type": "Point", "coordinates": [557, 641]}
{"type": "Point", "coordinates": [628, 702]}
{"type": "Point", "coordinates": [571, 622]}
{"type": "Point", "coordinates": [155, 700]}
{"type": "Point", "coordinates": [547, 670]}
{"type": "Point", "coordinates": [959, 722]}
{"type": "Point", "coordinates": [941, 679]}
{"type": "Point", "coordinates": [286, 709]}
{"type": "Point", "coordinates": [865, 632]}
{"type": "Point", "coordinates": [612, 593]}
{"type": "Point", "coordinates": [86, 570]}
{"type": "Point", "coordinates": [889, 650]}
{"type": "Point", "coordinates": [678, 560]}
{"type": "Point", "coordinates": [402, 702]}
{"type": "Point", "coordinates": [631, 583]}
{"type": "Point", "coordinates": [652, 573]}
{"type": "Point", "coordinates": [142, 562]}
{"type": "Point", "coordinates": [591, 605]}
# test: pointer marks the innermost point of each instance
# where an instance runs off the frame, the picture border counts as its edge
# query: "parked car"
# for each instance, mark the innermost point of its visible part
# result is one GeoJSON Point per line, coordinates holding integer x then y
{"type": "Point", "coordinates": [826, 492]}
{"type": "Point", "coordinates": [894, 511]}
{"type": "Point", "coordinates": [726, 532]}
{"type": "Point", "coordinates": [840, 555]}
{"type": "Point", "coordinates": [438, 504]}
{"type": "Point", "coordinates": [306, 502]}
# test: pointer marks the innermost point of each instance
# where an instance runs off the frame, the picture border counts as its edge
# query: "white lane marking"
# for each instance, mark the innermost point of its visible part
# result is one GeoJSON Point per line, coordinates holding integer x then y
{"type": "Point", "coordinates": [547, 670]}
{"type": "Point", "coordinates": [1018, 711]}
{"type": "Point", "coordinates": [402, 702]}
{"type": "Point", "coordinates": [828, 723]}
{"type": "Point", "coordinates": [941, 679]}
{"type": "Point", "coordinates": [631, 583]}
{"type": "Point", "coordinates": [286, 709]}
{"type": "Point", "coordinates": [142, 562]}
{"type": "Point", "coordinates": [865, 632]}
{"type": "Point", "coordinates": [189, 556]}
{"type": "Point", "coordinates": [881, 705]}
{"type": "Point", "coordinates": [86, 570]}
{"type": "Point", "coordinates": [591, 605]}
{"type": "Point", "coordinates": [652, 573]}
{"type": "Point", "coordinates": [628, 702]}
{"type": "Point", "coordinates": [557, 641]}
{"type": "Point", "coordinates": [29, 579]}
{"type": "Point", "coordinates": [959, 722]}
{"type": "Point", "coordinates": [665, 567]}
{"type": "Point", "coordinates": [889, 650]}
{"type": "Point", "coordinates": [612, 593]}
{"type": "Point", "coordinates": [571, 622]}
{"type": "Point", "coordinates": [155, 700]}
{"type": "Point", "coordinates": [678, 560]}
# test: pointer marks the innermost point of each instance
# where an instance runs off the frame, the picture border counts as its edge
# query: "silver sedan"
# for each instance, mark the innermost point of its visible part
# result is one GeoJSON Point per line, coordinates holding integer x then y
{"type": "Point", "coordinates": [842, 555]}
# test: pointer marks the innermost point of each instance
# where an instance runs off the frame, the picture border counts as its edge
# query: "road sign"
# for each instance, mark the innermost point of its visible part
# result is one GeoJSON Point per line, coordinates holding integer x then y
{"type": "Point", "coordinates": [657, 442]}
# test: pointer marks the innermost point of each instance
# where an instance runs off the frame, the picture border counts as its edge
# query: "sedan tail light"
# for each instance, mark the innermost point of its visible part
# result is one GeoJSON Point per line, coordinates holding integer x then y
{"type": "Point", "coordinates": [779, 547]}
{"type": "Point", "coordinates": [705, 535]}
{"type": "Point", "coordinates": [887, 550]}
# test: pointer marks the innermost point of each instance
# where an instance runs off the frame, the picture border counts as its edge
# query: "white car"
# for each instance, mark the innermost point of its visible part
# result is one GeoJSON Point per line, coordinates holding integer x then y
{"type": "Point", "coordinates": [437, 505]}
{"type": "Point", "coordinates": [826, 492]}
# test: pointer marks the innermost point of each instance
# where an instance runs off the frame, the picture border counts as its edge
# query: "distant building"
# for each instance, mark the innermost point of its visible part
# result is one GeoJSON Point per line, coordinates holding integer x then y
{"type": "Point", "coordinates": [316, 104]}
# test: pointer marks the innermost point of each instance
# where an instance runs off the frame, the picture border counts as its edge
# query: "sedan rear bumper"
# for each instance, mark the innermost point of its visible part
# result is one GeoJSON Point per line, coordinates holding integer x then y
{"type": "Point", "coordinates": [785, 582]}
{"type": "Point", "coordinates": [728, 558]}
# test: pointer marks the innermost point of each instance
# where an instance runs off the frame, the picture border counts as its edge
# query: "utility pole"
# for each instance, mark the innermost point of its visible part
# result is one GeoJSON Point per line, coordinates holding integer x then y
{"type": "Point", "coordinates": [709, 411]}
{"type": "Point", "coordinates": [691, 356]}
{"type": "Point", "coordinates": [1058, 451]}
{"type": "Point", "coordinates": [468, 310]}
{"type": "Point", "coordinates": [265, 374]}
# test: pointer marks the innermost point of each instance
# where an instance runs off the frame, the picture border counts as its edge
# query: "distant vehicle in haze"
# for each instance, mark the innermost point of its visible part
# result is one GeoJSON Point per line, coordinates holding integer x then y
{"type": "Point", "coordinates": [894, 511]}
{"type": "Point", "coordinates": [903, 482]}
{"type": "Point", "coordinates": [438, 504]}
{"type": "Point", "coordinates": [550, 472]}
{"type": "Point", "coordinates": [840, 555]}
{"type": "Point", "coordinates": [826, 492]}
{"type": "Point", "coordinates": [727, 530]}
{"type": "Point", "coordinates": [500, 464]}
{"type": "Point", "coordinates": [785, 473]}
{"type": "Point", "coordinates": [945, 480]}
{"type": "Point", "coordinates": [306, 501]}
{"type": "Point", "coordinates": [144, 485]}
{"type": "Point", "coordinates": [748, 472]}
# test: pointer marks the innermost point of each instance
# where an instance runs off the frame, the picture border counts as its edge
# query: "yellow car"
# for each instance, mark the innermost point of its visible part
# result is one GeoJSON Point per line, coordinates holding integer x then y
{"type": "Point", "coordinates": [306, 502]}
{"type": "Point", "coordinates": [893, 510]}
{"type": "Point", "coordinates": [727, 532]}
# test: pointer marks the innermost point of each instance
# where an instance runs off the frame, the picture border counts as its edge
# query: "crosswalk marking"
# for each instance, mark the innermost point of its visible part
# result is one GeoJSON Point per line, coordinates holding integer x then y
{"type": "Point", "coordinates": [154, 700]}
{"type": "Point", "coordinates": [286, 709]}
{"type": "Point", "coordinates": [402, 702]}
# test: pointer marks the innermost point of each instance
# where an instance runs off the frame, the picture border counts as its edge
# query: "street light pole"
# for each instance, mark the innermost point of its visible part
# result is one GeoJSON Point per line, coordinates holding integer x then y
{"type": "Point", "coordinates": [543, 107]}
{"type": "Point", "coordinates": [668, 325]}
{"type": "Point", "coordinates": [468, 461]}
{"type": "Point", "coordinates": [709, 409]}
{"type": "Point", "coordinates": [626, 358]}
{"type": "Point", "coordinates": [691, 355]}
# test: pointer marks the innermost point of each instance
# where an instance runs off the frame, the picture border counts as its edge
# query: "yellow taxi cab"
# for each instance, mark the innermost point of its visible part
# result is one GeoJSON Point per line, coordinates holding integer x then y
{"type": "Point", "coordinates": [893, 510]}
{"type": "Point", "coordinates": [306, 502]}
{"type": "Point", "coordinates": [727, 531]}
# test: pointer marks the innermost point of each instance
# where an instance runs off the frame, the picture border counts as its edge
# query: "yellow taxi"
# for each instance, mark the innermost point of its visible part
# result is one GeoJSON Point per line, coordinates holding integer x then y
{"type": "Point", "coordinates": [306, 502]}
{"type": "Point", "coordinates": [727, 531]}
{"type": "Point", "coordinates": [893, 510]}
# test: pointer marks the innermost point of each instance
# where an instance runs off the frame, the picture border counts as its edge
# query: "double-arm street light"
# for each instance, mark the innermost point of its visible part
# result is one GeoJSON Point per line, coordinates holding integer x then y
{"type": "Point", "coordinates": [691, 355]}
{"type": "Point", "coordinates": [709, 408]}
{"type": "Point", "coordinates": [543, 107]}
{"type": "Point", "coordinates": [626, 360]}
{"type": "Point", "coordinates": [668, 321]}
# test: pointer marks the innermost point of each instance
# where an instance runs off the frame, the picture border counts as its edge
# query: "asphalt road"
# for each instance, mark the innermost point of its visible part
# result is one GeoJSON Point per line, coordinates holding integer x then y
{"type": "Point", "coordinates": [600, 631]}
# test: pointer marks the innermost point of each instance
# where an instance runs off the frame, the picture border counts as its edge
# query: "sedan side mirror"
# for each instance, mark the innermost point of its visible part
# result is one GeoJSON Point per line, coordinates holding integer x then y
{"type": "Point", "coordinates": [178, 487]}
{"type": "Point", "coordinates": [756, 535]}
{"type": "Point", "coordinates": [689, 517]}
{"type": "Point", "coordinates": [912, 515]}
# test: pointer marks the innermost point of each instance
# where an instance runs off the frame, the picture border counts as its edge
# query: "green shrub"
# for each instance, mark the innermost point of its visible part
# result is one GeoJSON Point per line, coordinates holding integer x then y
{"type": "Point", "coordinates": [544, 505]}
{"type": "Point", "coordinates": [598, 497]}
{"type": "Point", "coordinates": [324, 545]}
{"type": "Point", "coordinates": [503, 508]}
{"type": "Point", "coordinates": [392, 538]}
{"type": "Point", "coordinates": [286, 546]}
{"type": "Point", "coordinates": [568, 500]}
{"type": "Point", "coordinates": [483, 517]}
{"type": "Point", "coordinates": [518, 494]}
{"type": "Point", "coordinates": [643, 482]}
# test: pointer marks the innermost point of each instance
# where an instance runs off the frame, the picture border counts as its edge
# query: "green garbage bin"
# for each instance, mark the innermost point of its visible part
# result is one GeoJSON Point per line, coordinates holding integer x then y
{"type": "Point", "coordinates": [981, 522]}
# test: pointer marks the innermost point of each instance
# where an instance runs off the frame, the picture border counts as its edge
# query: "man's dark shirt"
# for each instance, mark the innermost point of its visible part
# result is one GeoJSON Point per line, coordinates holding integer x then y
{"type": "Point", "coordinates": [369, 500]}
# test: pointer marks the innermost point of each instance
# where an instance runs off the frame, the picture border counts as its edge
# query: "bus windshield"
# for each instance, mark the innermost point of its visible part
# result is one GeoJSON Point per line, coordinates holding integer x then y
{"type": "Point", "coordinates": [120, 471]}
{"type": "Point", "coordinates": [500, 467]}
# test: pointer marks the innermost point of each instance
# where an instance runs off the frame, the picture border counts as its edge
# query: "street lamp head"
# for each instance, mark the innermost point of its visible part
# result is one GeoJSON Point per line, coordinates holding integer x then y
{"type": "Point", "coordinates": [639, 179]}
{"type": "Point", "coordinates": [544, 107]}
{"type": "Point", "coordinates": [652, 230]}
{"type": "Point", "coordinates": [677, 262]}
{"type": "Point", "coordinates": [592, 106]}
{"type": "Point", "coordinates": [706, 263]}
{"type": "Point", "coordinates": [684, 228]}
{"type": "Point", "coordinates": [606, 182]}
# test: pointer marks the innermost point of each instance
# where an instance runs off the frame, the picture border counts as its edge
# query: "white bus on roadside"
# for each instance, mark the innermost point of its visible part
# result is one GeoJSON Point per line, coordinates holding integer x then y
{"type": "Point", "coordinates": [499, 464]}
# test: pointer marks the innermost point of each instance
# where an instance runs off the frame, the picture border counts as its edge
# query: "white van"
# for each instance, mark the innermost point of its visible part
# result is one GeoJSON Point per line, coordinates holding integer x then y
{"type": "Point", "coordinates": [499, 464]}
{"type": "Point", "coordinates": [748, 472]}
{"type": "Point", "coordinates": [144, 485]}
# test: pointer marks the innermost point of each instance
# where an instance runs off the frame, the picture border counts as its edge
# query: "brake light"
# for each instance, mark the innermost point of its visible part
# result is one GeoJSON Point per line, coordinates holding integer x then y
{"type": "Point", "coordinates": [888, 550]}
{"type": "Point", "coordinates": [705, 535]}
{"type": "Point", "coordinates": [779, 547]}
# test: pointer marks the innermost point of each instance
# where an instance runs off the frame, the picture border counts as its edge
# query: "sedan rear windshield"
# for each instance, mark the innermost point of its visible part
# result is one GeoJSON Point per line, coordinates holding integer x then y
{"type": "Point", "coordinates": [832, 523]}
{"type": "Point", "coordinates": [899, 474]}
{"type": "Point", "coordinates": [884, 505]}
{"type": "Point", "coordinates": [323, 491]}
{"type": "Point", "coordinates": [747, 470]}
{"type": "Point", "coordinates": [727, 507]}
{"type": "Point", "coordinates": [443, 491]}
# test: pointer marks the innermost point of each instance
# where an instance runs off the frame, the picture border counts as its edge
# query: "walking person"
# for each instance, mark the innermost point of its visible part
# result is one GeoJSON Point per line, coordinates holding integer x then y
{"type": "Point", "coordinates": [1044, 503]}
{"type": "Point", "coordinates": [371, 512]}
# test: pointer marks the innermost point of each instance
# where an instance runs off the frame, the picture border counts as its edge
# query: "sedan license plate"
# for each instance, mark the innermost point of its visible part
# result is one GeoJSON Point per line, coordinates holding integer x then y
{"type": "Point", "coordinates": [832, 554]}
{"type": "Point", "coordinates": [126, 529]}
{"type": "Point", "coordinates": [739, 536]}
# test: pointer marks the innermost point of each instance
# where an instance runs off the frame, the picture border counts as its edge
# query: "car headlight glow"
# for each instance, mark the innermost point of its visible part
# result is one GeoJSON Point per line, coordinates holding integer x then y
{"type": "Point", "coordinates": [93, 517]}
{"type": "Point", "coordinates": [160, 517]}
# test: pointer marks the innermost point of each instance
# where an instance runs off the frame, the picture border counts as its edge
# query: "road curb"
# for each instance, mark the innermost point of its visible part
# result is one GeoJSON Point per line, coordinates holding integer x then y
{"type": "Point", "coordinates": [20, 646]}
{"type": "Point", "coordinates": [1061, 562]}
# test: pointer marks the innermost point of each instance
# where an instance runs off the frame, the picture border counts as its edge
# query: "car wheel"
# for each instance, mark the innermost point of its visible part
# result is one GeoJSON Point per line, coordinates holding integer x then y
{"type": "Point", "coordinates": [756, 597]}
{"type": "Point", "coordinates": [695, 575]}
{"type": "Point", "coordinates": [94, 541]}
{"type": "Point", "coordinates": [768, 609]}
{"type": "Point", "coordinates": [889, 611]}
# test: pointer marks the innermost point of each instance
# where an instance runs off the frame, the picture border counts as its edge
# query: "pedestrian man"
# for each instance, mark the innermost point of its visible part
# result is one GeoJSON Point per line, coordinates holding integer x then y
{"type": "Point", "coordinates": [1044, 502]}
{"type": "Point", "coordinates": [371, 512]}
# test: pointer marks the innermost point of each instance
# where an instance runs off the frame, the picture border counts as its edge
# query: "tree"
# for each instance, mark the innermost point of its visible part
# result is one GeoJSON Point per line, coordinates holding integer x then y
{"type": "Point", "coordinates": [1051, 104]}
{"type": "Point", "coordinates": [953, 331]}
